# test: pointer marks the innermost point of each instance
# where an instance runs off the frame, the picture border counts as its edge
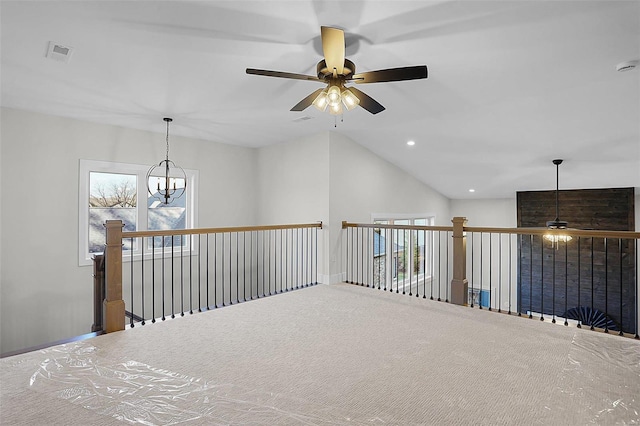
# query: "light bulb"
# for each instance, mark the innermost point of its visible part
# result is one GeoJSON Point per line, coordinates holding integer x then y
{"type": "Point", "coordinates": [321, 101]}
{"type": "Point", "coordinates": [554, 238]}
{"type": "Point", "coordinates": [349, 99]}
{"type": "Point", "coordinates": [335, 109]}
{"type": "Point", "coordinates": [333, 95]}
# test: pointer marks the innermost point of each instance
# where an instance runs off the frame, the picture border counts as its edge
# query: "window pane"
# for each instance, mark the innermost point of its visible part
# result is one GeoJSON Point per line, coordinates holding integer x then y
{"type": "Point", "coordinates": [162, 216]}
{"type": "Point", "coordinates": [419, 247]}
{"type": "Point", "coordinates": [400, 254]}
{"type": "Point", "coordinates": [112, 196]}
{"type": "Point", "coordinates": [379, 255]}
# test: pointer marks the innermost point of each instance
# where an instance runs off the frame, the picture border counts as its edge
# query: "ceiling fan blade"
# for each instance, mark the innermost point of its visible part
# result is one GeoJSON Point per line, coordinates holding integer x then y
{"type": "Point", "coordinates": [306, 102]}
{"type": "Point", "coordinates": [366, 101]}
{"type": "Point", "coordinates": [282, 74]}
{"type": "Point", "coordinates": [391, 74]}
{"type": "Point", "coordinates": [333, 47]}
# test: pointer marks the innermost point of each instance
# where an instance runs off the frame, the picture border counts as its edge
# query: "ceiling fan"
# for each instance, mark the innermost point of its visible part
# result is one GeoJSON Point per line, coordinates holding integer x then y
{"type": "Point", "coordinates": [336, 71]}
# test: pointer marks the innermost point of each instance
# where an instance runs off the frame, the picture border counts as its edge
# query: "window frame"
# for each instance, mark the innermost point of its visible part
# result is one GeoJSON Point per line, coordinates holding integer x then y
{"type": "Point", "coordinates": [390, 219]}
{"type": "Point", "coordinates": [140, 171]}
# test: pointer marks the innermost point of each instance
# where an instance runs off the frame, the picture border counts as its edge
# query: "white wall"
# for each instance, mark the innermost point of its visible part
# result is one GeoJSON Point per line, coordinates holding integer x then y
{"type": "Point", "coordinates": [45, 296]}
{"type": "Point", "coordinates": [292, 181]}
{"type": "Point", "coordinates": [488, 212]}
{"type": "Point", "coordinates": [293, 186]}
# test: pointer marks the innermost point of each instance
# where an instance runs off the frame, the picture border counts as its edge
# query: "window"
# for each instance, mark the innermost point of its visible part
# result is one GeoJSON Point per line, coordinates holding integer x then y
{"type": "Point", "coordinates": [111, 191]}
{"type": "Point", "coordinates": [399, 255]}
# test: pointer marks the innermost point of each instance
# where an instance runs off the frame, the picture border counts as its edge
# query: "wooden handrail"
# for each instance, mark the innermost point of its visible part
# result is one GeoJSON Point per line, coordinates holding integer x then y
{"type": "Point", "coordinates": [196, 231]}
{"type": "Point", "coordinates": [545, 231]}
{"type": "Point", "coordinates": [495, 230]}
{"type": "Point", "coordinates": [346, 224]}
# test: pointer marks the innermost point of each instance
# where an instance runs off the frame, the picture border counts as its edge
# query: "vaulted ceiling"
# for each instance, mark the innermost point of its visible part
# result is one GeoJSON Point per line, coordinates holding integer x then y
{"type": "Point", "coordinates": [512, 84]}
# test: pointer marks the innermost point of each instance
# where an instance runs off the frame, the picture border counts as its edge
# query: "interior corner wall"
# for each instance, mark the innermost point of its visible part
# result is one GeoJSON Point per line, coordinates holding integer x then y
{"type": "Point", "coordinates": [362, 183]}
{"type": "Point", "coordinates": [44, 295]}
{"type": "Point", "coordinates": [293, 186]}
{"type": "Point", "coordinates": [499, 212]}
{"type": "Point", "coordinates": [331, 178]}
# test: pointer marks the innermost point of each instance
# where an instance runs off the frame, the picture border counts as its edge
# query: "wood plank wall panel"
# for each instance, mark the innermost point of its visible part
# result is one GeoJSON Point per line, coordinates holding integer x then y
{"type": "Point", "coordinates": [604, 209]}
{"type": "Point", "coordinates": [585, 272]}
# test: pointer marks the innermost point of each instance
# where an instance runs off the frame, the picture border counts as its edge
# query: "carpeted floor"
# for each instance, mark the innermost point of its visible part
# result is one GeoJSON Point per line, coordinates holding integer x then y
{"type": "Point", "coordinates": [337, 354]}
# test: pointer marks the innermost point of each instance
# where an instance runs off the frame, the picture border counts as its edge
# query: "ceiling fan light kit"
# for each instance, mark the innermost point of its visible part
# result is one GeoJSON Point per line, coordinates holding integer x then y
{"type": "Point", "coordinates": [335, 71]}
{"type": "Point", "coordinates": [335, 99]}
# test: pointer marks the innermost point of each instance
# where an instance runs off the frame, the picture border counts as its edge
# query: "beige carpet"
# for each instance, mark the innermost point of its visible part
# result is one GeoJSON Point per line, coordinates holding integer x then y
{"type": "Point", "coordinates": [337, 354]}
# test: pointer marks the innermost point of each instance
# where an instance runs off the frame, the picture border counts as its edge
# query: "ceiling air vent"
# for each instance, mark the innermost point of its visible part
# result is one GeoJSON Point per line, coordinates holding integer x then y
{"type": "Point", "coordinates": [305, 118]}
{"type": "Point", "coordinates": [58, 52]}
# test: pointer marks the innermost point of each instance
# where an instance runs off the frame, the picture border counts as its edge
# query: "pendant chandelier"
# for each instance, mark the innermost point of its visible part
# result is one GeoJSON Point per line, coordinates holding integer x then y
{"type": "Point", "coordinates": [557, 223]}
{"type": "Point", "coordinates": [166, 181]}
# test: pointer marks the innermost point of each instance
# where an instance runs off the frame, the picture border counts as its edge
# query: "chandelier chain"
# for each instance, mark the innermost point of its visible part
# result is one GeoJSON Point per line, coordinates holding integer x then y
{"type": "Point", "coordinates": [167, 140]}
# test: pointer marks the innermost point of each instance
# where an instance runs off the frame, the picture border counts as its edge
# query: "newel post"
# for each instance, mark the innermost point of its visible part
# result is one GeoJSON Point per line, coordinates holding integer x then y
{"type": "Point", "coordinates": [459, 283]}
{"type": "Point", "coordinates": [113, 306]}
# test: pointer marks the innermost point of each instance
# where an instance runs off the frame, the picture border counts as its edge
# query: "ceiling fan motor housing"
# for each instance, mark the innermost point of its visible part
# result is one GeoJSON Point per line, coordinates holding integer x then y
{"type": "Point", "coordinates": [557, 224]}
{"type": "Point", "coordinates": [324, 72]}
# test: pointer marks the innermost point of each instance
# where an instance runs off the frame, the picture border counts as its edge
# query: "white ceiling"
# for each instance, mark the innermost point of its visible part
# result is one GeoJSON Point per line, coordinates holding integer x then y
{"type": "Point", "coordinates": [512, 84]}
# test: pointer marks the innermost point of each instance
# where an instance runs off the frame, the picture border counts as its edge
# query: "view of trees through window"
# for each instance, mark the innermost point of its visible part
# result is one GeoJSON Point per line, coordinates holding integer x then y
{"type": "Point", "coordinates": [112, 190]}
{"type": "Point", "coordinates": [112, 196]}
{"type": "Point", "coordinates": [120, 191]}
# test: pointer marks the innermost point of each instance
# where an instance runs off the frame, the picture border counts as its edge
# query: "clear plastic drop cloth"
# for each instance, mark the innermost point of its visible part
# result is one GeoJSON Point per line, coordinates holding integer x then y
{"type": "Point", "coordinates": [331, 361]}
{"type": "Point", "coordinates": [135, 392]}
{"type": "Point", "coordinates": [602, 377]}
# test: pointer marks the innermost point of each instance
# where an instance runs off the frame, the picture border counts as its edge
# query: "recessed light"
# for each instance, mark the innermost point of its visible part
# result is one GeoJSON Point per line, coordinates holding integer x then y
{"type": "Point", "coordinates": [472, 190]}
{"type": "Point", "coordinates": [411, 143]}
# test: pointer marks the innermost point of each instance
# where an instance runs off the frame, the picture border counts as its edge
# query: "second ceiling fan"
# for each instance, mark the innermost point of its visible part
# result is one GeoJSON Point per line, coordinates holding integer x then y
{"type": "Point", "coordinates": [336, 71]}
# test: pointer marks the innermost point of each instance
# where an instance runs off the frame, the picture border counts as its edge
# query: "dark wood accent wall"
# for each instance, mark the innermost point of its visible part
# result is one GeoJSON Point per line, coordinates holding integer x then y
{"type": "Point", "coordinates": [583, 272]}
{"type": "Point", "coordinates": [604, 209]}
